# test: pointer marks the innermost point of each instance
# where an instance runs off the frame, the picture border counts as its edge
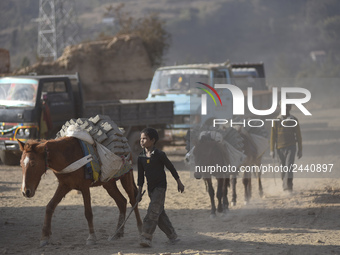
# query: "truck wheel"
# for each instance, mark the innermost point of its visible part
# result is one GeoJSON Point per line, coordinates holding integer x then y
{"type": "Point", "coordinates": [134, 143]}
{"type": "Point", "coordinates": [10, 158]}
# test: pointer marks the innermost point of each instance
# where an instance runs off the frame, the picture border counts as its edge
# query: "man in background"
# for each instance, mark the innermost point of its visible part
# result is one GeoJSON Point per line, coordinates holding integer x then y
{"type": "Point", "coordinates": [284, 140]}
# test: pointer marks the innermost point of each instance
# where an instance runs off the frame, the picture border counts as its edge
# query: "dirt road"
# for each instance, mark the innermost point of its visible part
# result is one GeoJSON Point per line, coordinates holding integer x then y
{"type": "Point", "coordinates": [305, 223]}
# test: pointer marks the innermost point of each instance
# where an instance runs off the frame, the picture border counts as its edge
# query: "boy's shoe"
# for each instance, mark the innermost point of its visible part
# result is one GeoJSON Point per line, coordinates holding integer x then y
{"type": "Point", "coordinates": [174, 240]}
{"type": "Point", "coordinates": [145, 242]}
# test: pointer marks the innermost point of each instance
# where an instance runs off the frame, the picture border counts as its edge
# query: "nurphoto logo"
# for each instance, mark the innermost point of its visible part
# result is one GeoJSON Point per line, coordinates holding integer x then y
{"type": "Point", "coordinates": [204, 97]}
{"type": "Point", "coordinates": [238, 103]}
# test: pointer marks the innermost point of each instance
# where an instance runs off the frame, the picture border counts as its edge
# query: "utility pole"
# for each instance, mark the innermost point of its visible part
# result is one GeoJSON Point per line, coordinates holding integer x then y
{"type": "Point", "coordinates": [57, 27]}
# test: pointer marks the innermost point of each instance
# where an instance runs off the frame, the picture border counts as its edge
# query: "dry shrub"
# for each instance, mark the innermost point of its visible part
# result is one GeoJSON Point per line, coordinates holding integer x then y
{"type": "Point", "coordinates": [150, 29]}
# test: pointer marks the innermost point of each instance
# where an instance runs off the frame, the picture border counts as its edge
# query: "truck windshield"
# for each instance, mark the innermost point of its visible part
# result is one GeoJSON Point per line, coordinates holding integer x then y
{"type": "Point", "coordinates": [177, 80]}
{"type": "Point", "coordinates": [18, 92]}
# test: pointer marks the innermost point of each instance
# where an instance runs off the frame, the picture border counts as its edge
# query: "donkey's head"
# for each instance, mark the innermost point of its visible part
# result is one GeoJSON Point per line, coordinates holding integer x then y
{"type": "Point", "coordinates": [33, 166]}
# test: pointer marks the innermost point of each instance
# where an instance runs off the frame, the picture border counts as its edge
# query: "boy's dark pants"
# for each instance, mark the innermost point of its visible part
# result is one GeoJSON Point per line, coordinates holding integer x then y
{"type": "Point", "coordinates": [157, 216]}
{"type": "Point", "coordinates": [287, 156]}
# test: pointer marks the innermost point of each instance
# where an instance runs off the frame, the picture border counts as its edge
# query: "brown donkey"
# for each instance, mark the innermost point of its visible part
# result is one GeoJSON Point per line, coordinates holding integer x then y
{"type": "Point", "coordinates": [57, 154]}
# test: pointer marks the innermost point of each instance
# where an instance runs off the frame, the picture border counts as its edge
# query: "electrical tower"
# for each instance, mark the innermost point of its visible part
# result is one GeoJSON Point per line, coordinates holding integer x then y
{"type": "Point", "coordinates": [57, 27]}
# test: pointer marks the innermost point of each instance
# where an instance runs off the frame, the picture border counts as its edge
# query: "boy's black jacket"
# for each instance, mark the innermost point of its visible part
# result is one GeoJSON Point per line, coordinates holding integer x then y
{"type": "Point", "coordinates": [153, 169]}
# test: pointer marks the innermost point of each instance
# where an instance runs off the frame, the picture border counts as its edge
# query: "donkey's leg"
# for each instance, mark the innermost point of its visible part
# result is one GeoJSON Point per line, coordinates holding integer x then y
{"type": "Point", "coordinates": [131, 189]}
{"type": "Point", "coordinates": [219, 194]}
{"type": "Point", "coordinates": [258, 175]}
{"type": "Point", "coordinates": [247, 184]}
{"type": "Point", "coordinates": [249, 187]}
{"type": "Point", "coordinates": [111, 188]}
{"type": "Point", "coordinates": [233, 187]}
{"type": "Point", "coordinates": [211, 195]}
{"type": "Point", "coordinates": [260, 184]}
{"type": "Point", "coordinates": [226, 184]}
{"type": "Point", "coordinates": [61, 191]}
{"type": "Point", "coordinates": [89, 215]}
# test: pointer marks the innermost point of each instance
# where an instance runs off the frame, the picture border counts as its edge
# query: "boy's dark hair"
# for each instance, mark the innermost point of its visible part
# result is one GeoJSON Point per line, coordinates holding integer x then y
{"type": "Point", "coordinates": [151, 133]}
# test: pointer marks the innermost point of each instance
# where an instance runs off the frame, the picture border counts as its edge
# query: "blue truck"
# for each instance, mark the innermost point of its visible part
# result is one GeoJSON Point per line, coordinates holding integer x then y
{"type": "Point", "coordinates": [178, 84]}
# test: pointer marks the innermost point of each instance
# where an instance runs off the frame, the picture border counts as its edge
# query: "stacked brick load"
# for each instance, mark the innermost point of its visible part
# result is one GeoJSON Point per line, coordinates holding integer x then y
{"type": "Point", "coordinates": [103, 130]}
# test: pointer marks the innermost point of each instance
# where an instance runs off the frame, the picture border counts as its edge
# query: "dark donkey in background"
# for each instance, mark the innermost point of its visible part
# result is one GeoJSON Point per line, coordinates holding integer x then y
{"type": "Point", "coordinates": [57, 154]}
{"type": "Point", "coordinates": [209, 152]}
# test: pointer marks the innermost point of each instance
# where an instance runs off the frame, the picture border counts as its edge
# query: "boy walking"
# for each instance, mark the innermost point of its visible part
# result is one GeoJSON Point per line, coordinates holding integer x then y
{"type": "Point", "coordinates": [151, 162]}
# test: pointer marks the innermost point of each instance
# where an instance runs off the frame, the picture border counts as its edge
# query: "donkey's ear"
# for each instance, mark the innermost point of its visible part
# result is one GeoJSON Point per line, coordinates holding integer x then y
{"type": "Point", "coordinates": [21, 145]}
{"type": "Point", "coordinates": [39, 148]}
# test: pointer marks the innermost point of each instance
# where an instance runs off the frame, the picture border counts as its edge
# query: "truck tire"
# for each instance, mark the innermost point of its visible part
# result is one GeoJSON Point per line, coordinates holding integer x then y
{"type": "Point", "coordinates": [10, 158]}
{"type": "Point", "coordinates": [134, 143]}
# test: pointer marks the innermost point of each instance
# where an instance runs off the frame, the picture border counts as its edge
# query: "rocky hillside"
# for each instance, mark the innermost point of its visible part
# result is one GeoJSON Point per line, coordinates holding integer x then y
{"type": "Point", "coordinates": [282, 34]}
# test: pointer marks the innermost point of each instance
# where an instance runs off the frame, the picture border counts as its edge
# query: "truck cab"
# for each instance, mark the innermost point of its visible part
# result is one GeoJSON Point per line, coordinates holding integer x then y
{"type": "Point", "coordinates": [34, 107]}
{"type": "Point", "coordinates": [249, 75]}
{"type": "Point", "coordinates": [179, 84]}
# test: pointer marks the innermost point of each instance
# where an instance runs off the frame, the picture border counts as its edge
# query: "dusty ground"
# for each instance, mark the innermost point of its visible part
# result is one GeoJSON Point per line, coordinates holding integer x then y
{"type": "Point", "coordinates": [305, 223]}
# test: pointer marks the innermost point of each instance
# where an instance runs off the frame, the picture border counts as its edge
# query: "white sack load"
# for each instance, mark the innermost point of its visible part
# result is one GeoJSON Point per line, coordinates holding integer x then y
{"type": "Point", "coordinates": [111, 163]}
{"type": "Point", "coordinates": [78, 132]}
{"type": "Point", "coordinates": [236, 157]}
{"type": "Point", "coordinates": [112, 147]}
{"type": "Point", "coordinates": [261, 143]}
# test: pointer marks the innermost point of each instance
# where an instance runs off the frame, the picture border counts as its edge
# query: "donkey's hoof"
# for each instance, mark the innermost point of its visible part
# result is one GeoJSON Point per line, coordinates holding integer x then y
{"type": "Point", "coordinates": [246, 203]}
{"type": "Point", "coordinates": [43, 242]}
{"type": "Point", "coordinates": [113, 238]}
{"type": "Point", "coordinates": [233, 203]}
{"type": "Point", "coordinates": [91, 240]}
{"type": "Point", "coordinates": [212, 216]}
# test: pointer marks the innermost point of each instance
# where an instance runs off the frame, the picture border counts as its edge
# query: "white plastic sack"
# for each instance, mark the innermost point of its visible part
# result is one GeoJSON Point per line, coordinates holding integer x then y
{"type": "Point", "coordinates": [236, 157]}
{"type": "Point", "coordinates": [261, 143]}
{"type": "Point", "coordinates": [111, 163]}
{"type": "Point", "coordinates": [81, 134]}
{"type": "Point", "coordinates": [189, 158]}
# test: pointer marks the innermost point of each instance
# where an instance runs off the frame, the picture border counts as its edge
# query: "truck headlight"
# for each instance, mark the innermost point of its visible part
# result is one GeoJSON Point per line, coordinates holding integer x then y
{"type": "Point", "coordinates": [20, 132]}
{"type": "Point", "coordinates": [27, 132]}
{"type": "Point", "coordinates": [23, 133]}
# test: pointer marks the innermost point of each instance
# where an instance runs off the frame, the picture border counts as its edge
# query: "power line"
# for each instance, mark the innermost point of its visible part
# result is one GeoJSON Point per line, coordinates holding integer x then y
{"type": "Point", "coordinates": [58, 27]}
